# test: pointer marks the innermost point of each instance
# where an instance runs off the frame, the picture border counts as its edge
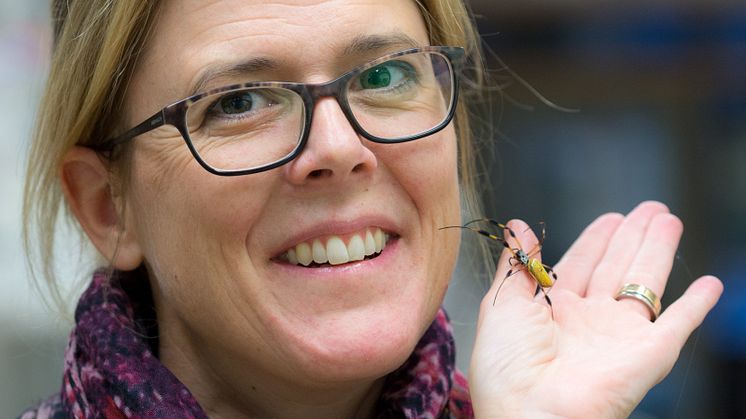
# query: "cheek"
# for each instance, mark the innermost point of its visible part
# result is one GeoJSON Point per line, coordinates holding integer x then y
{"type": "Point", "coordinates": [427, 169]}
{"type": "Point", "coordinates": [189, 221]}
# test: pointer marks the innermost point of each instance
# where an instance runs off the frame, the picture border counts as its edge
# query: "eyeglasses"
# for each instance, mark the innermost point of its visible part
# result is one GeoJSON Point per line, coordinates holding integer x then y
{"type": "Point", "coordinates": [253, 127]}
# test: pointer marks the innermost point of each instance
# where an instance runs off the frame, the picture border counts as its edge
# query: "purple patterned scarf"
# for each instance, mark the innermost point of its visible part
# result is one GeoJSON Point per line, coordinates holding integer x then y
{"type": "Point", "coordinates": [112, 368]}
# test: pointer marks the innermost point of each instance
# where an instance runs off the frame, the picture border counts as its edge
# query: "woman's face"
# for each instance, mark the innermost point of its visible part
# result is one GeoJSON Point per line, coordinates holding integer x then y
{"type": "Point", "coordinates": [217, 247]}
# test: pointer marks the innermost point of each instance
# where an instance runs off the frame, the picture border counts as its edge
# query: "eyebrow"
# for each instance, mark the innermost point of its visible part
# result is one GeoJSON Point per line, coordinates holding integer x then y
{"type": "Point", "coordinates": [359, 45]}
{"type": "Point", "coordinates": [253, 65]}
{"type": "Point", "coordinates": [363, 44]}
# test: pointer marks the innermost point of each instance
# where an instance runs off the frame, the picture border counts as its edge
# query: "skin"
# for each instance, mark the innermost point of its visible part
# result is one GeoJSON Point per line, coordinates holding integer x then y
{"type": "Point", "coordinates": [252, 336]}
{"type": "Point", "coordinates": [598, 357]}
{"type": "Point", "coordinates": [244, 331]}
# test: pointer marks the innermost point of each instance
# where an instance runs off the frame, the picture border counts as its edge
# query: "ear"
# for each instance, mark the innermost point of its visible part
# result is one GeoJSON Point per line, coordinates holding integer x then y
{"type": "Point", "coordinates": [87, 185]}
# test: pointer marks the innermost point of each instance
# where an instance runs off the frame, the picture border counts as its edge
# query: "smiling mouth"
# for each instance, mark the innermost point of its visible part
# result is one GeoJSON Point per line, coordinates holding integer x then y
{"type": "Point", "coordinates": [334, 250]}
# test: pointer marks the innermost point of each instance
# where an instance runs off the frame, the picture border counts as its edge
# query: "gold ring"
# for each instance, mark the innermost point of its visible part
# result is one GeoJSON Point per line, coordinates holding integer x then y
{"type": "Point", "coordinates": [641, 293]}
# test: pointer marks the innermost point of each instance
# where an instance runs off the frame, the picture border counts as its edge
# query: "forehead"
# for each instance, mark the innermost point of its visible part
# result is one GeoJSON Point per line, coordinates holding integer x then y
{"type": "Point", "coordinates": [303, 40]}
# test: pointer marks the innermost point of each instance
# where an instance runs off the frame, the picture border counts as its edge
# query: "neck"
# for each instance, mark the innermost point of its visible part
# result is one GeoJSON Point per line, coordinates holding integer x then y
{"type": "Point", "coordinates": [227, 387]}
{"type": "Point", "coordinates": [266, 404]}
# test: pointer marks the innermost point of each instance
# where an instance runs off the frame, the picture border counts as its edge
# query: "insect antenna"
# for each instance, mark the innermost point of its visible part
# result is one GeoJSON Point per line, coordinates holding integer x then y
{"type": "Point", "coordinates": [478, 231]}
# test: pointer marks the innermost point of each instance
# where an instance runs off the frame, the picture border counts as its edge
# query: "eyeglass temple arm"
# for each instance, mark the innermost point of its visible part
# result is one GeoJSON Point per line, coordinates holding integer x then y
{"type": "Point", "coordinates": [149, 124]}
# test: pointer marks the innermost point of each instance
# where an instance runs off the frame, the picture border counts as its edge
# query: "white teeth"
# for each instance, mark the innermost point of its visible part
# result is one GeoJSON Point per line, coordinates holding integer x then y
{"type": "Point", "coordinates": [303, 253]}
{"type": "Point", "coordinates": [336, 252]}
{"type": "Point", "coordinates": [378, 238]}
{"type": "Point", "coordinates": [355, 249]}
{"type": "Point", "coordinates": [318, 251]}
{"type": "Point", "coordinates": [292, 258]}
{"type": "Point", "coordinates": [370, 243]}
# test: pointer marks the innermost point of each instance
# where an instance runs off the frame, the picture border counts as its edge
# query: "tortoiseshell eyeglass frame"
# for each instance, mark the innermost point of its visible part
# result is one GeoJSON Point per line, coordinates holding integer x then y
{"type": "Point", "coordinates": [176, 113]}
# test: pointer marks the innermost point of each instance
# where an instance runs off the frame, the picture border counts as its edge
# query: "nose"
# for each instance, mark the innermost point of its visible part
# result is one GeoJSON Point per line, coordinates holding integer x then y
{"type": "Point", "coordinates": [333, 151]}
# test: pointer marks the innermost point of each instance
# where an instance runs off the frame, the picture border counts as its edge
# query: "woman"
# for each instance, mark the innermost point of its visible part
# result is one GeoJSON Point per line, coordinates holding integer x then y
{"type": "Point", "coordinates": [286, 237]}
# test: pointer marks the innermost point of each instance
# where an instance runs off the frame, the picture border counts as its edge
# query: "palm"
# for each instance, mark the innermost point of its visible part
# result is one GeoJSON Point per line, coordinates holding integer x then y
{"type": "Point", "coordinates": [597, 357]}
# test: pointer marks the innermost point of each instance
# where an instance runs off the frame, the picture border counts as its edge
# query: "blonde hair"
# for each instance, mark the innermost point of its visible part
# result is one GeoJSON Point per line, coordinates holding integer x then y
{"type": "Point", "coordinates": [96, 48]}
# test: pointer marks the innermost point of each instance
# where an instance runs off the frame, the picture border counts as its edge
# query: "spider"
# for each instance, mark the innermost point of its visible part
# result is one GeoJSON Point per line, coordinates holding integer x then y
{"type": "Point", "coordinates": [520, 260]}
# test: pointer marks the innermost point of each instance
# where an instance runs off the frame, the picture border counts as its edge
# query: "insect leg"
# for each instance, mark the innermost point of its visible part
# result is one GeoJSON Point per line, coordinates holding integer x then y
{"type": "Point", "coordinates": [546, 297]}
{"type": "Point", "coordinates": [512, 234]}
{"type": "Point", "coordinates": [540, 244]}
{"type": "Point", "coordinates": [509, 274]}
{"type": "Point", "coordinates": [543, 233]}
{"type": "Point", "coordinates": [534, 251]}
{"type": "Point", "coordinates": [551, 272]}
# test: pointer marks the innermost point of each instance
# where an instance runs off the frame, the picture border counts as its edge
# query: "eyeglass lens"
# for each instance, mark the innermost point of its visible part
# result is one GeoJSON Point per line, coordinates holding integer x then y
{"type": "Point", "coordinates": [252, 127]}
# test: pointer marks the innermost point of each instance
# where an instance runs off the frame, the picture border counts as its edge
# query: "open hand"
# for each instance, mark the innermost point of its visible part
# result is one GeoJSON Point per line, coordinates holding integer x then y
{"type": "Point", "coordinates": [598, 357]}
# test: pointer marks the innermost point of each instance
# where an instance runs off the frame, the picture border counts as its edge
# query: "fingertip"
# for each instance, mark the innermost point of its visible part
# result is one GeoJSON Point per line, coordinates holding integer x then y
{"type": "Point", "coordinates": [653, 206]}
{"type": "Point", "coordinates": [517, 225]}
{"type": "Point", "coordinates": [665, 229]}
{"type": "Point", "coordinates": [608, 221]}
{"type": "Point", "coordinates": [611, 216]}
{"type": "Point", "coordinates": [521, 228]}
{"type": "Point", "coordinates": [708, 284]}
{"type": "Point", "coordinates": [687, 313]}
{"type": "Point", "coordinates": [706, 291]}
{"type": "Point", "coordinates": [518, 233]}
{"type": "Point", "coordinates": [669, 221]}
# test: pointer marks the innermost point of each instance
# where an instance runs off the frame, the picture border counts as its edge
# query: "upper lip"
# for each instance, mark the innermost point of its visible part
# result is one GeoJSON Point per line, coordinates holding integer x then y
{"type": "Point", "coordinates": [329, 227]}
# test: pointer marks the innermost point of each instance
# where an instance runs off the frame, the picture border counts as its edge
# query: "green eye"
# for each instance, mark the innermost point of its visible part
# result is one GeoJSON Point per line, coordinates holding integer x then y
{"type": "Point", "coordinates": [375, 78]}
{"type": "Point", "coordinates": [236, 104]}
{"type": "Point", "coordinates": [386, 76]}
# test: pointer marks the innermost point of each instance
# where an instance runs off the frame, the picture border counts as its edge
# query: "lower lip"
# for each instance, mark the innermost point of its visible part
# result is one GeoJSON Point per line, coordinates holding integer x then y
{"type": "Point", "coordinates": [347, 269]}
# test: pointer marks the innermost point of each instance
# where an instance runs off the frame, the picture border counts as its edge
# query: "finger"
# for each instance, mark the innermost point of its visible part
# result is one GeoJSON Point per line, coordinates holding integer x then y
{"type": "Point", "coordinates": [576, 266]}
{"type": "Point", "coordinates": [687, 313]}
{"type": "Point", "coordinates": [511, 279]}
{"type": "Point", "coordinates": [652, 264]}
{"type": "Point", "coordinates": [622, 249]}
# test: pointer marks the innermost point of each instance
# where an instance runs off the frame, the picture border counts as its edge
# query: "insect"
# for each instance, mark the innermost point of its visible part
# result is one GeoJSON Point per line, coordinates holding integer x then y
{"type": "Point", "coordinates": [520, 260]}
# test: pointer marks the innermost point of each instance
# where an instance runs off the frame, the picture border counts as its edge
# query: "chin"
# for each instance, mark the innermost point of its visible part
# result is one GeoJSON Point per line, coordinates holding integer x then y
{"type": "Point", "coordinates": [362, 345]}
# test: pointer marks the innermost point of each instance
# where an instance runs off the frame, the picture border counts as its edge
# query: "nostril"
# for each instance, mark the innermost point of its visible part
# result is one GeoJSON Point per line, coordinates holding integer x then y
{"type": "Point", "coordinates": [320, 173]}
{"type": "Point", "coordinates": [358, 168]}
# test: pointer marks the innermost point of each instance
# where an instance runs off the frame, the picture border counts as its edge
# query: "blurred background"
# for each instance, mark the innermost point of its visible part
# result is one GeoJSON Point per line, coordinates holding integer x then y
{"type": "Point", "coordinates": [660, 89]}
